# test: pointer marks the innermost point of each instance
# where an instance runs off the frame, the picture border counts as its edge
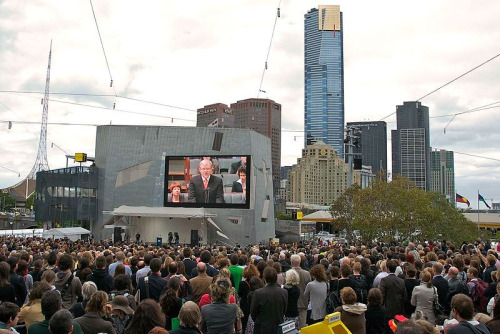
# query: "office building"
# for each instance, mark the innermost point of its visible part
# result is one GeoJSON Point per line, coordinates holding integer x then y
{"type": "Point", "coordinates": [319, 177]}
{"type": "Point", "coordinates": [217, 115]}
{"type": "Point", "coordinates": [324, 77]}
{"type": "Point", "coordinates": [443, 174]}
{"type": "Point", "coordinates": [262, 116]}
{"type": "Point", "coordinates": [411, 149]}
{"type": "Point", "coordinates": [372, 144]}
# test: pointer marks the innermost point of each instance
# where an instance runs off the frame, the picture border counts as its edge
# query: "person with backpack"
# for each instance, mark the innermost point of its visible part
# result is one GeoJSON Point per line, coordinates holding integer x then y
{"type": "Point", "coordinates": [456, 286]}
{"type": "Point", "coordinates": [360, 284]}
{"type": "Point", "coordinates": [67, 283]}
{"type": "Point", "coordinates": [476, 289]}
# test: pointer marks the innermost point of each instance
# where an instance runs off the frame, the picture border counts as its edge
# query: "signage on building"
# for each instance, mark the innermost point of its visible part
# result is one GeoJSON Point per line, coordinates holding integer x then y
{"type": "Point", "coordinates": [207, 111]}
{"type": "Point", "coordinates": [80, 157]}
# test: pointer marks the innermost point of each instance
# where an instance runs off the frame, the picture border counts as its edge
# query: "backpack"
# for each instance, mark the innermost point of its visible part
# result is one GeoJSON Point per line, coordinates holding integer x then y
{"type": "Point", "coordinates": [480, 301]}
{"type": "Point", "coordinates": [360, 288]}
{"type": "Point", "coordinates": [463, 288]}
{"type": "Point", "coordinates": [333, 301]}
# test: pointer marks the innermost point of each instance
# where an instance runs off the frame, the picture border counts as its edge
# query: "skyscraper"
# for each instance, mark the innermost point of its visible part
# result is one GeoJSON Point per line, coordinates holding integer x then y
{"type": "Point", "coordinates": [372, 145]}
{"type": "Point", "coordinates": [411, 150]}
{"type": "Point", "coordinates": [324, 77]}
{"type": "Point", "coordinates": [443, 174]}
{"type": "Point", "coordinates": [217, 115]}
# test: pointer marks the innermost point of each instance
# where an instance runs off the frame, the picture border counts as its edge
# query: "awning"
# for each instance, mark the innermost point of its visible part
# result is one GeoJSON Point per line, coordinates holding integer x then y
{"type": "Point", "coordinates": [161, 212]}
{"type": "Point", "coordinates": [222, 235]}
{"type": "Point", "coordinates": [65, 232]}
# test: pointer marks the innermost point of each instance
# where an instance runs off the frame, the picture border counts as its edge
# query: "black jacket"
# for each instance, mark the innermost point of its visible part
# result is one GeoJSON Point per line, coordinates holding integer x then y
{"type": "Point", "coordinates": [156, 285]}
{"type": "Point", "coordinates": [268, 308]}
{"type": "Point", "coordinates": [102, 279]}
{"type": "Point", "coordinates": [18, 283]}
{"type": "Point", "coordinates": [442, 287]}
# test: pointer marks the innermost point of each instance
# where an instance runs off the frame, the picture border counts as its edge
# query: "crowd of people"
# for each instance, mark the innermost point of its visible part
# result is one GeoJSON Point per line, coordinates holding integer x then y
{"type": "Point", "coordinates": [63, 286]}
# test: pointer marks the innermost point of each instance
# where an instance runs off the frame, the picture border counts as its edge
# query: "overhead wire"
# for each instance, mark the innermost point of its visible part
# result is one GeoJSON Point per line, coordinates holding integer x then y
{"type": "Point", "coordinates": [451, 81]}
{"type": "Point", "coordinates": [269, 50]}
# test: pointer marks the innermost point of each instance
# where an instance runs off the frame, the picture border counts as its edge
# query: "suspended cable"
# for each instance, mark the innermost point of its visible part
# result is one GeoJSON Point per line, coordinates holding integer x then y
{"type": "Point", "coordinates": [102, 45]}
{"type": "Point", "coordinates": [451, 81]}
{"type": "Point", "coordinates": [10, 170]}
{"type": "Point", "coordinates": [477, 156]}
{"type": "Point", "coordinates": [269, 50]}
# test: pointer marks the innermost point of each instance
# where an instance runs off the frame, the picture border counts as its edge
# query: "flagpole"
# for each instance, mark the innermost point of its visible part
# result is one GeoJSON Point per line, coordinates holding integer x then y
{"type": "Point", "coordinates": [478, 210]}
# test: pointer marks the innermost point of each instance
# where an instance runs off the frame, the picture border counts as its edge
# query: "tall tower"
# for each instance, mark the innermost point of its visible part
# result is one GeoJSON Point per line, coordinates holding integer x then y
{"type": "Point", "coordinates": [443, 174]}
{"type": "Point", "coordinates": [324, 77]}
{"type": "Point", "coordinates": [411, 149]}
{"type": "Point", "coordinates": [41, 162]}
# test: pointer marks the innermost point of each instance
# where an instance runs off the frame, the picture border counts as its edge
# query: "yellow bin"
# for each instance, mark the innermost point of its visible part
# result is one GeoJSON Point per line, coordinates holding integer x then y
{"type": "Point", "coordinates": [331, 324]}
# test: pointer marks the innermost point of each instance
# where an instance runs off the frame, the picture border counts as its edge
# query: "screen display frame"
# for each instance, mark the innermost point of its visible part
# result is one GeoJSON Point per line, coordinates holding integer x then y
{"type": "Point", "coordinates": [179, 169]}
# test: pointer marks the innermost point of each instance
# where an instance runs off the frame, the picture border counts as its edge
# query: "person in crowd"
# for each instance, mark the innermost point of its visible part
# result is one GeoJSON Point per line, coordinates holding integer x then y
{"type": "Point", "coordinates": [78, 310]}
{"type": "Point", "coordinates": [424, 295]}
{"type": "Point", "coordinates": [255, 284]}
{"type": "Point", "coordinates": [49, 276]}
{"type": "Point", "coordinates": [144, 271]}
{"type": "Point", "coordinates": [305, 278]}
{"type": "Point", "coordinates": [205, 187]}
{"type": "Point", "coordinates": [269, 303]}
{"type": "Point", "coordinates": [155, 283]}
{"type": "Point", "coordinates": [345, 280]}
{"type": "Point", "coordinates": [367, 271]}
{"type": "Point", "coordinates": [61, 322]}
{"type": "Point", "coordinates": [494, 323]}
{"type": "Point", "coordinates": [7, 290]}
{"type": "Point", "coordinates": [393, 291]}
{"type": "Point", "coordinates": [9, 316]}
{"type": "Point", "coordinates": [100, 275]}
{"type": "Point", "coordinates": [66, 283]}
{"type": "Point", "coordinates": [147, 316]}
{"type": "Point", "coordinates": [236, 271]}
{"type": "Point", "coordinates": [201, 283]}
{"type": "Point", "coordinates": [243, 291]}
{"type": "Point", "coordinates": [175, 192]}
{"type": "Point", "coordinates": [32, 311]}
{"type": "Point", "coordinates": [51, 303]}
{"type": "Point", "coordinates": [411, 282]}
{"type": "Point", "coordinates": [189, 318]}
{"type": "Point", "coordinates": [23, 271]}
{"type": "Point", "coordinates": [462, 310]}
{"type": "Point", "coordinates": [315, 293]}
{"type": "Point", "coordinates": [122, 286]}
{"type": "Point", "coordinates": [17, 281]}
{"type": "Point", "coordinates": [206, 257]}
{"type": "Point", "coordinates": [375, 313]}
{"type": "Point", "coordinates": [37, 271]}
{"type": "Point", "coordinates": [360, 283]}
{"type": "Point", "coordinates": [292, 288]}
{"type": "Point", "coordinates": [220, 316]}
{"type": "Point", "coordinates": [92, 321]}
{"type": "Point", "coordinates": [491, 261]}
{"type": "Point", "coordinates": [121, 313]}
{"type": "Point", "coordinates": [235, 166]}
{"type": "Point", "coordinates": [352, 313]}
{"type": "Point", "coordinates": [170, 302]}
{"type": "Point", "coordinates": [440, 283]}
{"type": "Point", "coordinates": [334, 278]}
{"type": "Point", "coordinates": [493, 301]}
{"type": "Point", "coordinates": [189, 263]}
{"type": "Point", "coordinates": [381, 274]}
{"type": "Point", "coordinates": [120, 257]}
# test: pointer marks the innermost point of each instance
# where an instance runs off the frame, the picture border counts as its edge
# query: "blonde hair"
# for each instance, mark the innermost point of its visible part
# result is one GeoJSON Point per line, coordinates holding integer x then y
{"type": "Point", "coordinates": [292, 277]}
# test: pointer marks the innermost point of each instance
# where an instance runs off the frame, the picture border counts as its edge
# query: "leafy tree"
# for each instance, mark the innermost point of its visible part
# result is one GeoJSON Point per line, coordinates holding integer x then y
{"type": "Point", "coordinates": [6, 202]}
{"type": "Point", "coordinates": [282, 216]}
{"type": "Point", "coordinates": [30, 202]}
{"type": "Point", "coordinates": [399, 211]}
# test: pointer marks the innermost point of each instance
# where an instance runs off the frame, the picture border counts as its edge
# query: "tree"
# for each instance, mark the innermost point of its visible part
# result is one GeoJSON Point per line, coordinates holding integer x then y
{"type": "Point", "coordinates": [6, 202]}
{"type": "Point", "coordinates": [398, 211]}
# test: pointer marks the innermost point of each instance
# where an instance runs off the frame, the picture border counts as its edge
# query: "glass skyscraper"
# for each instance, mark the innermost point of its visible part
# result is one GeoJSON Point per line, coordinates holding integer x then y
{"type": "Point", "coordinates": [324, 77]}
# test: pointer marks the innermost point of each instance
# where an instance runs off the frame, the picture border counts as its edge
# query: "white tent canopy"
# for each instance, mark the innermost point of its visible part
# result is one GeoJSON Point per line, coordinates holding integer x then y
{"type": "Point", "coordinates": [73, 233]}
{"type": "Point", "coordinates": [160, 212]}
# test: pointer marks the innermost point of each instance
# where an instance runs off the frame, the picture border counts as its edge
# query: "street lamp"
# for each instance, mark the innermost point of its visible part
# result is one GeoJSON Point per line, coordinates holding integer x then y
{"type": "Point", "coordinates": [12, 227]}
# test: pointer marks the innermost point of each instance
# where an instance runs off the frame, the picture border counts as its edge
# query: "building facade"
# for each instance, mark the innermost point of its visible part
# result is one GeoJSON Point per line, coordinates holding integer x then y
{"type": "Point", "coordinates": [319, 177]}
{"type": "Point", "coordinates": [372, 144]}
{"type": "Point", "coordinates": [324, 77]}
{"type": "Point", "coordinates": [217, 115]}
{"type": "Point", "coordinates": [443, 174]}
{"type": "Point", "coordinates": [264, 117]}
{"type": "Point", "coordinates": [411, 149]}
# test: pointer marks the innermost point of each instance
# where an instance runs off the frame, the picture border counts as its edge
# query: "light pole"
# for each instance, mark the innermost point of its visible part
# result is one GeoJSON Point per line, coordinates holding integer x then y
{"type": "Point", "coordinates": [12, 227]}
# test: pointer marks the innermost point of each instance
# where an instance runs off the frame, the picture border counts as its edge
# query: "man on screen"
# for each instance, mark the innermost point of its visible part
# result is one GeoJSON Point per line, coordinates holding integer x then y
{"type": "Point", "coordinates": [205, 188]}
{"type": "Point", "coordinates": [236, 165]}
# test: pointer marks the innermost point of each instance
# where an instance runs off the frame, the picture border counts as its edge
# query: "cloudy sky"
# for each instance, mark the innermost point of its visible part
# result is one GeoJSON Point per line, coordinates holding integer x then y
{"type": "Point", "coordinates": [183, 55]}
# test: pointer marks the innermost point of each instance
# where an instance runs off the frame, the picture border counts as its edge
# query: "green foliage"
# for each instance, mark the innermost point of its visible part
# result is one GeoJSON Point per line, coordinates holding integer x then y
{"type": "Point", "coordinates": [398, 211]}
{"type": "Point", "coordinates": [30, 202]}
{"type": "Point", "coordinates": [7, 202]}
{"type": "Point", "coordinates": [282, 216]}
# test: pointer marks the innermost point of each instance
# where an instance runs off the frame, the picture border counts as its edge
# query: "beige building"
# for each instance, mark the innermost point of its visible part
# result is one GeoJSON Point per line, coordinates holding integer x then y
{"type": "Point", "coordinates": [319, 177]}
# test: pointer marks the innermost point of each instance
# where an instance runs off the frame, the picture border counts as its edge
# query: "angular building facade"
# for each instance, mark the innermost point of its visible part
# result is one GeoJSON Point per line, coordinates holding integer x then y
{"type": "Point", "coordinates": [324, 77]}
{"type": "Point", "coordinates": [443, 174]}
{"type": "Point", "coordinates": [411, 150]}
{"type": "Point", "coordinates": [372, 144]}
{"type": "Point", "coordinates": [217, 115]}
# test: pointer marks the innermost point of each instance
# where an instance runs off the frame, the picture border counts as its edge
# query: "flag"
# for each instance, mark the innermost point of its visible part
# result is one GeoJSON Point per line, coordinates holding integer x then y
{"type": "Point", "coordinates": [462, 199]}
{"type": "Point", "coordinates": [481, 198]}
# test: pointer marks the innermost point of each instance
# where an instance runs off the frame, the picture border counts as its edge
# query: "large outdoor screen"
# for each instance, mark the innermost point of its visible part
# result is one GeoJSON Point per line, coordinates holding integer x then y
{"type": "Point", "coordinates": [208, 182]}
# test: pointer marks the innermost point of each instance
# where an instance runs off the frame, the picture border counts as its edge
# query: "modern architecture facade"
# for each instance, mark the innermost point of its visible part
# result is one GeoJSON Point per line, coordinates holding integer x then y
{"type": "Point", "coordinates": [443, 174]}
{"type": "Point", "coordinates": [324, 77]}
{"type": "Point", "coordinates": [217, 115]}
{"type": "Point", "coordinates": [411, 149]}
{"type": "Point", "coordinates": [319, 177]}
{"type": "Point", "coordinates": [371, 146]}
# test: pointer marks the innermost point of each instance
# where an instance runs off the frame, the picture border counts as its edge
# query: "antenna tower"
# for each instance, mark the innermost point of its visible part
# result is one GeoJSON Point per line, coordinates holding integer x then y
{"type": "Point", "coordinates": [41, 162]}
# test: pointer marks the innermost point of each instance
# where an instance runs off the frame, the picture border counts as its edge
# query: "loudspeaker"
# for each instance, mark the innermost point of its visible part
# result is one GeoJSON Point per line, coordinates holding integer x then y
{"type": "Point", "coordinates": [117, 232]}
{"type": "Point", "coordinates": [217, 141]}
{"type": "Point", "coordinates": [357, 164]}
{"type": "Point", "coordinates": [194, 238]}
